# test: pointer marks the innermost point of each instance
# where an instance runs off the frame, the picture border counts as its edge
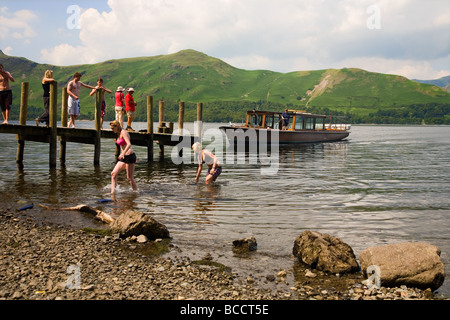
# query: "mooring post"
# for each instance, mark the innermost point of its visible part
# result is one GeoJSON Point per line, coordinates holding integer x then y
{"type": "Point", "coordinates": [98, 116]}
{"type": "Point", "coordinates": [180, 126]}
{"type": "Point", "coordinates": [150, 128]}
{"type": "Point", "coordinates": [161, 120]}
{"type": "Point", "coordinates": [199, 120]}
{"type": "Point", "coordinates": [181, 118]}
{"type": "Point", "coordinates": [161, 112]}
{"type": "Point", "coordinates": [22, 121]}
{"type": "Point", "coordinates": [64, 115]}
{"type": "Point", "coordinates": [52, 122]}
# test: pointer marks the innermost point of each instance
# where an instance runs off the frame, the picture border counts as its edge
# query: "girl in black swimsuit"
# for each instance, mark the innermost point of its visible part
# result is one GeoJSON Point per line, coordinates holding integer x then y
{"type": "Point", "coordinates": [206, 156]}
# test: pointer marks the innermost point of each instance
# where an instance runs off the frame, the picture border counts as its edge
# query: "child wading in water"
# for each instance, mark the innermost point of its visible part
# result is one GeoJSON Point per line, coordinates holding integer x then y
{"type": "Point", "coordinates": [206, 156]}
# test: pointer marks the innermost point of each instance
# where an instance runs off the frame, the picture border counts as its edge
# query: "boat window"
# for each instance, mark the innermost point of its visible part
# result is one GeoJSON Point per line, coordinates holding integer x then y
{"type": "Point", "coordinates": [309, 124]}
{"type": "Point", "coordinates": [269, 121]}
{"type": "Point", "coordinates": [320, 124]}
{"type": "Point", "coordinates": [299, 122]}
{"type": "Point", "coordinates": [255, 120]}
{"type": "Point", "coordinates": [291, 121]}
{"type": "Point", "coordinates": [277, 121]}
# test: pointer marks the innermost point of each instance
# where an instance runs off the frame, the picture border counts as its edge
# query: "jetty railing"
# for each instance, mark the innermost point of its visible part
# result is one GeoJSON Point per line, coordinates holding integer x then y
{"type": "Point", "coordinates": [164, 137]}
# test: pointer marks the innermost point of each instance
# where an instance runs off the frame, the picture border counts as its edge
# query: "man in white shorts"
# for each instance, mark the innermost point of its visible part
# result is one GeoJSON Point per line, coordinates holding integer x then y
{"type": "Point", "coordinates": [73, 89]}
{"type": "Point", "coordinates": [120, 105]}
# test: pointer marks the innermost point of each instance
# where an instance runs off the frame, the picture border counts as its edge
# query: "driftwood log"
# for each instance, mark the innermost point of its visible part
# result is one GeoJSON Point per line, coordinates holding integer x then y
{"type": "Point", "coordinates": [100, 215]}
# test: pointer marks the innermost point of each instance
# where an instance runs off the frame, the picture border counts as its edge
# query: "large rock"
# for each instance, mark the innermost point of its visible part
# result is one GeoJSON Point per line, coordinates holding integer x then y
{"type": "Point", "coordinates": [248, 244]}
{"type": "Point", "coordinates": [414, 264]}
{"type": "Point", "coordinates": [324, 252]}
{"type": "Point", "coordinates": [132, 223]}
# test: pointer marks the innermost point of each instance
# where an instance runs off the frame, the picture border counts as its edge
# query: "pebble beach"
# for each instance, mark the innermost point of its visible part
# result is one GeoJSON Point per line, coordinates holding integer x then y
{"type": "Point", "coordinates": [55, 262]}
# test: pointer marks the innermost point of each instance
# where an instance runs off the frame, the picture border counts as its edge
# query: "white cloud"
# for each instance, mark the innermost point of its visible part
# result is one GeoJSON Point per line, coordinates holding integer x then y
{"type": "Point", "coordinates": [17, 25]}
{"type": "Point", "coordinates": [8, 50]}
{"type": "Point", "coordinates": [285, 35]}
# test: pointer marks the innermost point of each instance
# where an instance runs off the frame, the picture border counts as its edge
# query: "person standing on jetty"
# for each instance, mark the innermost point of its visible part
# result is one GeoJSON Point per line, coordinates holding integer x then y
{"type": "Point", "coordinates": [206, 156]}
{"type": "Point", "coordinates": [130, 108]}
{"type": "Point", "coordinates": [46, 80]}
{"type": "Point", "coordinates": [285, 117]}
{"type": "Point", "coordinates": [100, 86]}
{"type": "Point", "coordinates": [5, 93]}
{"type": "Point", "coordinates": [127, 157]}
{"type": "Point", "coordinates": [120, 105]}
{"type": "Point", "coordinates": [73, 89]}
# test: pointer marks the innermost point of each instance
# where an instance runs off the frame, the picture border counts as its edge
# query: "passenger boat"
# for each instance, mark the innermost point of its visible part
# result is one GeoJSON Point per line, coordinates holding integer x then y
{"type": "Point", "coordinates": [303, 127]}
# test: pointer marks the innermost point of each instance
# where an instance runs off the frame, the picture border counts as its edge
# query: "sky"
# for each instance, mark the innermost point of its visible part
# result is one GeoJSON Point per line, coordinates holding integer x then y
{"type": "Point", "coordinates": [405, 37]}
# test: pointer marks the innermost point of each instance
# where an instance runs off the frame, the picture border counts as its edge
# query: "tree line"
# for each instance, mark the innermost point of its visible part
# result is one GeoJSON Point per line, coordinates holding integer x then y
{"type": "Point", "coordinates": [235, 111]}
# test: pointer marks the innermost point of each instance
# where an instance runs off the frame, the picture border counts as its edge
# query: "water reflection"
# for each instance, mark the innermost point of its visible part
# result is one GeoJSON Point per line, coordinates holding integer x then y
{"type": "Point", "coordinates": [384, 185]}
{"type": "Point", "coordinates": [205, 196]}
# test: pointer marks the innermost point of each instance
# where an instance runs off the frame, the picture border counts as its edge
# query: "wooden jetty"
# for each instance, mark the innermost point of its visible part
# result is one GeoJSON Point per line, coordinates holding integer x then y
{"type": "Point", "coordinates": [50, 134]}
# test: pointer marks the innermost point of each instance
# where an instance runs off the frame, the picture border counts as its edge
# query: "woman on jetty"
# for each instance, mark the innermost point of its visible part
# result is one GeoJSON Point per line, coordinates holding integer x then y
{"type": "Point", "coordinates": [127, 157]}
{"type": "Point", "coordinates": [46, 80]}
{"type": "Point", "coordinates": [206, 156]}
{"type": "Point", "coordinates": [103, 107]}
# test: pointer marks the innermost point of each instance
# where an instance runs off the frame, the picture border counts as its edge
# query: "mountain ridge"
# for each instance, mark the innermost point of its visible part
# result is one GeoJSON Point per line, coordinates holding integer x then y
{"type": "Point", "coordinates": [441, 82]}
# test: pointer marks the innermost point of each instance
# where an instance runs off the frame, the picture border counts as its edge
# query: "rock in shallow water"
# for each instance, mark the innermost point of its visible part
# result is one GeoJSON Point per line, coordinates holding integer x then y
{"type": "Point", "coordinates": [136, 223]}
{"type": "Point", "coordinates": [324, 252]}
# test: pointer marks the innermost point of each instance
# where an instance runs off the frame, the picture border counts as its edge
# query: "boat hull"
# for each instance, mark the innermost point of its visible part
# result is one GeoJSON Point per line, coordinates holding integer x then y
{"type": "Point", "coordinates": [239, 134]}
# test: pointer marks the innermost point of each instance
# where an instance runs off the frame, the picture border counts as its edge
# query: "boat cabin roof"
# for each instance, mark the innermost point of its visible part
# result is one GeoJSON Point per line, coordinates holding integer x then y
{"type": "Point", "coordinates": [291, 112]}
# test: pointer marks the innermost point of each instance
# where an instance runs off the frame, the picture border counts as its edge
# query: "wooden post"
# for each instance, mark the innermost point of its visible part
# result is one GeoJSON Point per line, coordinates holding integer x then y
{"type": "Point", "coordinates": [64, 107]}
{"type": "Point", "coordinates": [161, 120]}
{"type": "Point", "coordinates": [199, 119]}
{"type": "Point", "coordinates": [161, 112]}
{"type": "Point", "coordinates": [24, 103]}
{"type": "Point", "coordinates": [161, 151]}
{"type": "Point", "coordinates": [181, 118]}
{"type": "Point", "coordinates": [22, 121]}
{"type": "Point", "coordinates": [150, 128]}
{"type": "Point", "coordinates": [64, 115]}
{"type": "Point", "coordinates": [180, 126]}
{"type": "Point", "coordinates": [98, 116]}
{"type": "Point", "coordinates": [52, 122]}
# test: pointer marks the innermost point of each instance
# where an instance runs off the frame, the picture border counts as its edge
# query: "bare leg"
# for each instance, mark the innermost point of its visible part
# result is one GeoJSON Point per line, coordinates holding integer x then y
{"type": "Point", "coordinates": [130, 176]}
{"type": "Point", "coordinates": [117, 169]}
{"type": "Point", "coordinates": [209, 179]}
{"type": "Point", "coordinates": [71, 122]}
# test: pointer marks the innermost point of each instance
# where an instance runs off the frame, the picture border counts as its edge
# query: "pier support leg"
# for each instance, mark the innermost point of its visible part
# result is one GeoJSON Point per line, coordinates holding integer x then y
{"type": "Point", "coordinates": [180, 125]}
{"type": "Point", "coordinates": [64, 114]}
{"type": "Point", "coordinates": [52, 124]}
{"type": "Point", "coordinates": [161, 152]}
{"type": "Point", "coordinates": [98, 116]}
{"type": "Point", "coordinates": [150, 129]}
{"type": "Point", "coordinates": [22, 121]}
{"type": "Point", "coordinates": [19, 155]}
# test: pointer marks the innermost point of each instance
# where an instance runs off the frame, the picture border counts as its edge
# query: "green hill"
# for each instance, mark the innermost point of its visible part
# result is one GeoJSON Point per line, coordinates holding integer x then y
{"type": "Point", "coordinates": [228, 92]}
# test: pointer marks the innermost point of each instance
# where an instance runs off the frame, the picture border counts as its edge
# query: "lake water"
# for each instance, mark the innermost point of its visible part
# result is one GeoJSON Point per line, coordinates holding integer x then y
{"type": "Point", "coordinates": [383, 185]}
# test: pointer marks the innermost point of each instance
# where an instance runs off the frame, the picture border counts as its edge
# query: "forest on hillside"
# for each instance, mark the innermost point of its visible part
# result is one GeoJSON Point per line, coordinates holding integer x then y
{"type": "Point", "coordinates": [235, 111]}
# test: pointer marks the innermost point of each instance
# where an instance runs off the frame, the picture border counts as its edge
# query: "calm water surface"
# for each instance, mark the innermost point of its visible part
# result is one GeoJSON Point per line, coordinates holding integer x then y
{"type": "Point", "coordinates": [385, 184]}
